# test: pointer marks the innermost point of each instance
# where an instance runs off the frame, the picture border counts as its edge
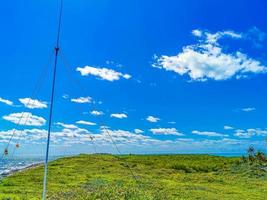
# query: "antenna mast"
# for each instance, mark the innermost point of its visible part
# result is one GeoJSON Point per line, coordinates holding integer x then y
{"type": "Point", "coordinates": [52, 102]}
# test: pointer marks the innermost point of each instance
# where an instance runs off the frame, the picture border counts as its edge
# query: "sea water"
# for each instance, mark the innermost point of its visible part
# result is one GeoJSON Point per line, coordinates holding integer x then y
{"type": "Point", "coordinates": [8, 166]}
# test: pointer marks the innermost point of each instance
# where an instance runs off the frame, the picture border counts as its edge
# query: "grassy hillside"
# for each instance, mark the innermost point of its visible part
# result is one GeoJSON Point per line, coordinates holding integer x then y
{"type": "Point", "coordinates": [158, 177]}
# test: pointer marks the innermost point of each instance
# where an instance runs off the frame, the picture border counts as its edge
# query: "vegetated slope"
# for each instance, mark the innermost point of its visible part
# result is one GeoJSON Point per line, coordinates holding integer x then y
{"type": "Point", "coordinates": [158, 177]}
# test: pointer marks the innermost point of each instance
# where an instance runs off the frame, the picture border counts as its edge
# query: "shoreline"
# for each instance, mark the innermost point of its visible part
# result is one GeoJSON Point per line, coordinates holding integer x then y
{"type": "Point", "coordinates": [9, 172]}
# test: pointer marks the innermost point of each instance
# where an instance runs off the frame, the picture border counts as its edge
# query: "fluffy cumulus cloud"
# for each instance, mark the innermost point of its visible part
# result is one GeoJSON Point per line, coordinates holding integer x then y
{"type": "Point", "coordinates": [209, 133]}
{"type": "Point", "coordinates": [118, 115]}
{"type": "Point", "coordinates": [37, 136]}
{"type": "Point", "coordinates": [67, 134]}
{"type": "Point", "coordinates": [33, 134]}
{"type": "Point", "coordinates": [33, 103]}
{"type": "Point", "coordinates": [82, 100]}
{"type": "Point", "coordinates": [197, 33]}
{"type": "Point", "coordinates": [120, 136]}
{"type": "Point", "coordinates": [85, 123]}
{"type": "Point", "coordinates": [81, 136]}
{"type": "Point", "coordinates": [248, 133]}
{"type": "Point", "coordinates": [25, 118]}
{"type": "Point", "coordinates": [208, 60]}
{"type": "Point", "coordinates": [5, 101]}
{"type": "Point", "coordinates": [97, 113]}
{"type": "Point", "coordinates": [166, 131]}
{"type": "Point", "coordinates": [152, 119]}
{"type": "Point", "coordinates": [103, 73]}
{"type": "Point", "coordinates": [127, 141]}
{"type": "Point", "coordinates": [128, 138]}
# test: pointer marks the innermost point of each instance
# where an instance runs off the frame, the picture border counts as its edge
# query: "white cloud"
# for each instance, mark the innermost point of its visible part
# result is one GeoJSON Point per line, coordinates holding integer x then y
{"type": "Point", "coordinates": [65, 135]}
{"type": "Point", "coordinates": [249, 109]}
{"type": "Point", "coordinates": [25, 118]}
{"type": "Point", "coordinates": [228, 128]}
{"type": "Point", "coordinates": [206, 59]}
{"type": "Point", "coordinates": [96, 113]}
{"type": "Point", "coordinates": [248, 133]}
{"type": "Point", "coordinates": [123, 136]}
{"type": "Point", "coordinates": [82, 100]}
{"type": "Point", "coordinates": [33, 103]}
{"type": "Point", "coordinates": [71, 133]}
{"type": "Point", "coordinates": [86, 123]}
{"type": "Point", "coordinates": [82, 136]}
{"type": "Point", "coordinates": [197, 33]}
{"type": "Point", "coordinates": [126, 140]}
{"type": "Point", "coordinates": [68, 126]}
{"type": "Point", "coordinates": [8, 102]}
{"type": "Point", "coordinates": [229, 141]}
{"type": "Point", "coordinates": [138, 131]}
{"type": "Point", "coordinates": [119, 115]}
{"type": "Point", "coordinates": [103, 73]}
{"type": "Point", "coordinates": [166, 131]}
{"type": "Point", "coordinates": [21, 134]}
{"type": "Point", "coordinates": [214, 37]}
{"type": "Point", "coordinates": [127, 76]}
{"type": "Point", "coordinates": [152, 119]}
{"type": "Point", "coordinates": [209, 133]}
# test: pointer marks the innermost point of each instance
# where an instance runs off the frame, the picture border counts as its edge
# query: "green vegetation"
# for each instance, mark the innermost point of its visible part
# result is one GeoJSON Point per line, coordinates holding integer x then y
{"type": "Point", "coordinates": [161, 177]}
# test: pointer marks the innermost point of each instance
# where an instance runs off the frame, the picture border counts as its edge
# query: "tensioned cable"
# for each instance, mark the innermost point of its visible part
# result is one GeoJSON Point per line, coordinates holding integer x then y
{"type": "Point", "coordinates": [65, 64]}
{"type": "Point", "coordinates": [43, 76]}
{"type": "Point", "coordinates": [77, 84]}
{"type": "Point", "coordinates": [35, 91]}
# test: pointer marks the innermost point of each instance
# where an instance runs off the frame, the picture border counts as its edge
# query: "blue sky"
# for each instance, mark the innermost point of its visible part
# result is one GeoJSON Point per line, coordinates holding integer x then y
{"type": "Point", "coordinates": [161, 76]}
